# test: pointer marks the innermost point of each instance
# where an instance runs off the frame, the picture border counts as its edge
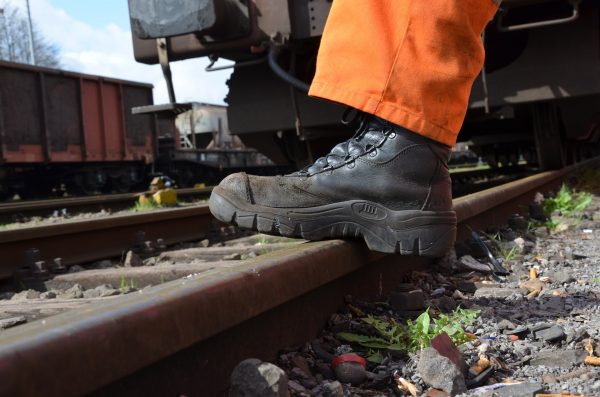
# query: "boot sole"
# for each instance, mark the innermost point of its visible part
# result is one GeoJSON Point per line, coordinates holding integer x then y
{"type": "Point", "coordinates": [421, 233]}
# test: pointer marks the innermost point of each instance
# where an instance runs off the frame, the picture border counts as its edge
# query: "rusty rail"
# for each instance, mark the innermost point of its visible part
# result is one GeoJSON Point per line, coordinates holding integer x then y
{"type": "Point", "coordinates": [185, 336]}
{"type": "Point", "coordinates": [81, 241]}
{"type": "Point", "coordinates": [13, 209]}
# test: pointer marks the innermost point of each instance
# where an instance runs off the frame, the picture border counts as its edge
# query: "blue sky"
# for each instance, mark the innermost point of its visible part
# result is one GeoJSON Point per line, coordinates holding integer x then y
{"type": "Point", "coordinates": [97, 13]}
{"type": "Point", "coordinates": [94, 37]}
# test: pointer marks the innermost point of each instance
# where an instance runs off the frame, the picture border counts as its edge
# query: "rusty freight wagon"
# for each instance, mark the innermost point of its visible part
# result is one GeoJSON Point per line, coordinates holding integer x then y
{"type": "Point", "coordinates": [64, 130]}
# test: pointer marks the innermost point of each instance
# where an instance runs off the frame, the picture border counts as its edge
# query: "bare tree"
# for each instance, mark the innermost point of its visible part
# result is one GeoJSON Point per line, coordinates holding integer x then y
{"type": "Point", "coordinates": [14, 40]}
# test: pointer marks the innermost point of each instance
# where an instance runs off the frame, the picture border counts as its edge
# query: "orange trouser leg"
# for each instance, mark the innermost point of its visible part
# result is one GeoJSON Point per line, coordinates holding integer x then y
{"type": "Point", "coordinates": [411, 62]}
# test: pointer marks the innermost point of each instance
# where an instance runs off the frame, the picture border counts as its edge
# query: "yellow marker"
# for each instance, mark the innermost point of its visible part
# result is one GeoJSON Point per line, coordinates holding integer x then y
{"type": "Point", "coordinates": [165, 197]}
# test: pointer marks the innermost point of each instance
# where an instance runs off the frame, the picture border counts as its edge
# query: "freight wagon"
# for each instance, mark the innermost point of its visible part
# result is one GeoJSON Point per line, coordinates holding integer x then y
{"type": "Point", "coordinates": [537, 97]}
{"type": "Point", "coordinates": [70, 132]}
{"type": "Point", "coordinates": [71, 129]}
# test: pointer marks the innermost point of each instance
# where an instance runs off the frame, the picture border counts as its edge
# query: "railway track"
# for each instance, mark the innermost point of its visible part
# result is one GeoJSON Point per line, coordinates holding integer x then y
{"type": "Point", "coordinates": [80, 241]}
{"type": "Point", "coordinates": [95, 239]}
{"type": "Point", "coordinates": [184, 337]}
{"type": "Point", "coordinates": [15, 210]}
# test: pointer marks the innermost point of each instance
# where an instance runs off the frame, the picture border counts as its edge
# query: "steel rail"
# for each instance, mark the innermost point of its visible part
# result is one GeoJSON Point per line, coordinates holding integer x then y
{"type": "Point", "coordinates": [11, 209]}
{"type": "Point", "coordinates": [185, 336]}
{"type": "Point", "coordinates": [80, 241]}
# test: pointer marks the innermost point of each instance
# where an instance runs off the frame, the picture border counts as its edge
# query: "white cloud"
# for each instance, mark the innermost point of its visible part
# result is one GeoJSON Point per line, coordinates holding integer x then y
{"type": "Point", "coordinates": [108, 51]}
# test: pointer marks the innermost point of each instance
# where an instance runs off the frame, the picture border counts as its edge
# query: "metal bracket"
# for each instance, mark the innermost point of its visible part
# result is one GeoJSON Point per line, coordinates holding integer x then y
{"type": "Point", "coordinates": [163, 57]}
{"type": "Point", "coordinates": [512, 28]}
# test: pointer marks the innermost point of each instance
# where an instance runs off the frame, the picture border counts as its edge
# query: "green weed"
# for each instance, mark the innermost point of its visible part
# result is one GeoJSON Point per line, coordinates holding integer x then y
{"type": "Point", "coordinates": [511, 254]}
{"type": "Point", "coordinates": [123, 283]}
{"type": "Point", "coordinates": [150, 205]}
{"type": "Point", "coordinates": [262, 239]}
{"type": "Point", "coordinates": [567, 201]}
{"type": "Point", "coordinates": [415, 335]}
{"type": "Point", "coordinates": [597, 280]}
{"type": "Point", "coordinates": [423, 330]}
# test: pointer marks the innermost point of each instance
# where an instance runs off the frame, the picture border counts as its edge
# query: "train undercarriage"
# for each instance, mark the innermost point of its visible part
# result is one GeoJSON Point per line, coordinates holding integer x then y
{"type": "Point", "coordinates": [537, 98]}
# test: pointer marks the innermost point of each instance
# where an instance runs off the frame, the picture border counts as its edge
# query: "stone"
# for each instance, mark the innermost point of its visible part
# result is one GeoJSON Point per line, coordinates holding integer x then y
{"type": "Point", "coordinates": [407, 297]}
{"type": "Point", "coordinates": [536, 207]}
{"type": "Point", "coordinates": [559, 358]}
{"type": "Point", "coordinates": [76, 269]}
{"type": "Point", "coordinates": [254, 378]}
{"type": "Point", "coordinates": [439, 372]}
{"type": "Point", "coordinates": [498, 292]}
{"type": "Point", "coordinates": [12, 321]}
{"type": "Point", "coordinates": [75, 292]}
{"type": "Point", "coordinates": [48, 295]}
{"type": "Point", "coordinates": [577, 335]}
{"type": "Point", "coordinates": [514, 390]}
{"type": "Point", "coordinates": [445, 347]}
{"type": "Point", "coordinates": [446, 304]}
{"type": "Point", "coordinates": [295, 386]}
{"type": "Point", "coordinates": [132, 260]}
{"type": "Point", "coordinates": [541, 232]}
{"type": "Point", "coordinates": [519, 242]}
{"type": "Point", "coordinates": [516, 331]}
{"type": "Point", "coordinates": [91, 293]}
{"type": "Point", "coordinates": [333, 389]}
{"type": "Point", "coordinates": [518, 222]}
{"type": "Point", "coordinates": [561, 277]}
{"type": "Point", "coordinates": [204, 243]}
{"type": "Point", "coordinates": [27, 294]}
{"type": "Point", "coordinates": [506, 324]}
{"type": "Point", "coordinates": [325, 370]}
{"type": "Point", "coordinates": [466, 286]}
{"type": "Point", "coordinates": [549, 379]}
{"type": "Point", "coordinates": [553, 303]}
{"type": "Point", "coordinates": [105, 290]}
{"type": "Point", "coordinates": [469, 263]}
{"type": "Point", "coordinates": [554, 333]}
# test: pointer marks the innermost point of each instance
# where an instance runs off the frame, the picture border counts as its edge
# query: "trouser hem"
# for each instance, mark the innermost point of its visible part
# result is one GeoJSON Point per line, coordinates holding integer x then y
{"type": "Point", "coordinates": [371, 103]}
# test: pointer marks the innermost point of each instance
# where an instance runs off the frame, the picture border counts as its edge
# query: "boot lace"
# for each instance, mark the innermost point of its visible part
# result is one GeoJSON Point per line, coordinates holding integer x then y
{"type": "Point", "coordinates": [370, 133]}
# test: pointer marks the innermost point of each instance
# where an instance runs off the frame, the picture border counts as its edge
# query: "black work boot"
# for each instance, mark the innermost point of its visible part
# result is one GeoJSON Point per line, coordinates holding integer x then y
{"type": "Point", "coordinates": [387, 185]}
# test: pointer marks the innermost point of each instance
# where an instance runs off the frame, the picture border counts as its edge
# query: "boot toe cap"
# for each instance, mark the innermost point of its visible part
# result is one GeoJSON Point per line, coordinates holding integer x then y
{"type": "Point", "coordinates": [236, 185]}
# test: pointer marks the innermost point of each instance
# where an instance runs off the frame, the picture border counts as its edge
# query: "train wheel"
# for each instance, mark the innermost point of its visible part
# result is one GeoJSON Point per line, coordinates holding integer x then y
{"type": "Point", "coordinates": [549, 139]}
{"type": "Point", "coordinates": [124, 180]}
{"type": "Point", "coordinates": [88, 183]}
{"type": "Point", "coordinates": [121, 184]}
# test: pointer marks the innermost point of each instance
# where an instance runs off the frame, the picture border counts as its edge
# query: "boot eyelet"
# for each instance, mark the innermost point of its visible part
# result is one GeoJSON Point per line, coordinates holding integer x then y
{"type": "Point", "coordinates": [392, 135]}
{"type": "Point", "coordinates": [351, 164]}
{"type": "Point", "coordinates": [373, 153]}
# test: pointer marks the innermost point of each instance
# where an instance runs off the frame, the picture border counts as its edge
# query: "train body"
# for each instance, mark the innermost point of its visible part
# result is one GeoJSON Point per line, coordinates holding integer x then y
{"type": "Point", "coordinates": [537, 97]}
{"type": "Point", "coordinates": [63, 131]}
{"type": "Point", "coordinates": [70, 128]}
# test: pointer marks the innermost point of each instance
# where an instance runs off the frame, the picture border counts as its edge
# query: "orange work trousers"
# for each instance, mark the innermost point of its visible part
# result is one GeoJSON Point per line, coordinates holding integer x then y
{"type": "Point", "coordinates": [411, 62]}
